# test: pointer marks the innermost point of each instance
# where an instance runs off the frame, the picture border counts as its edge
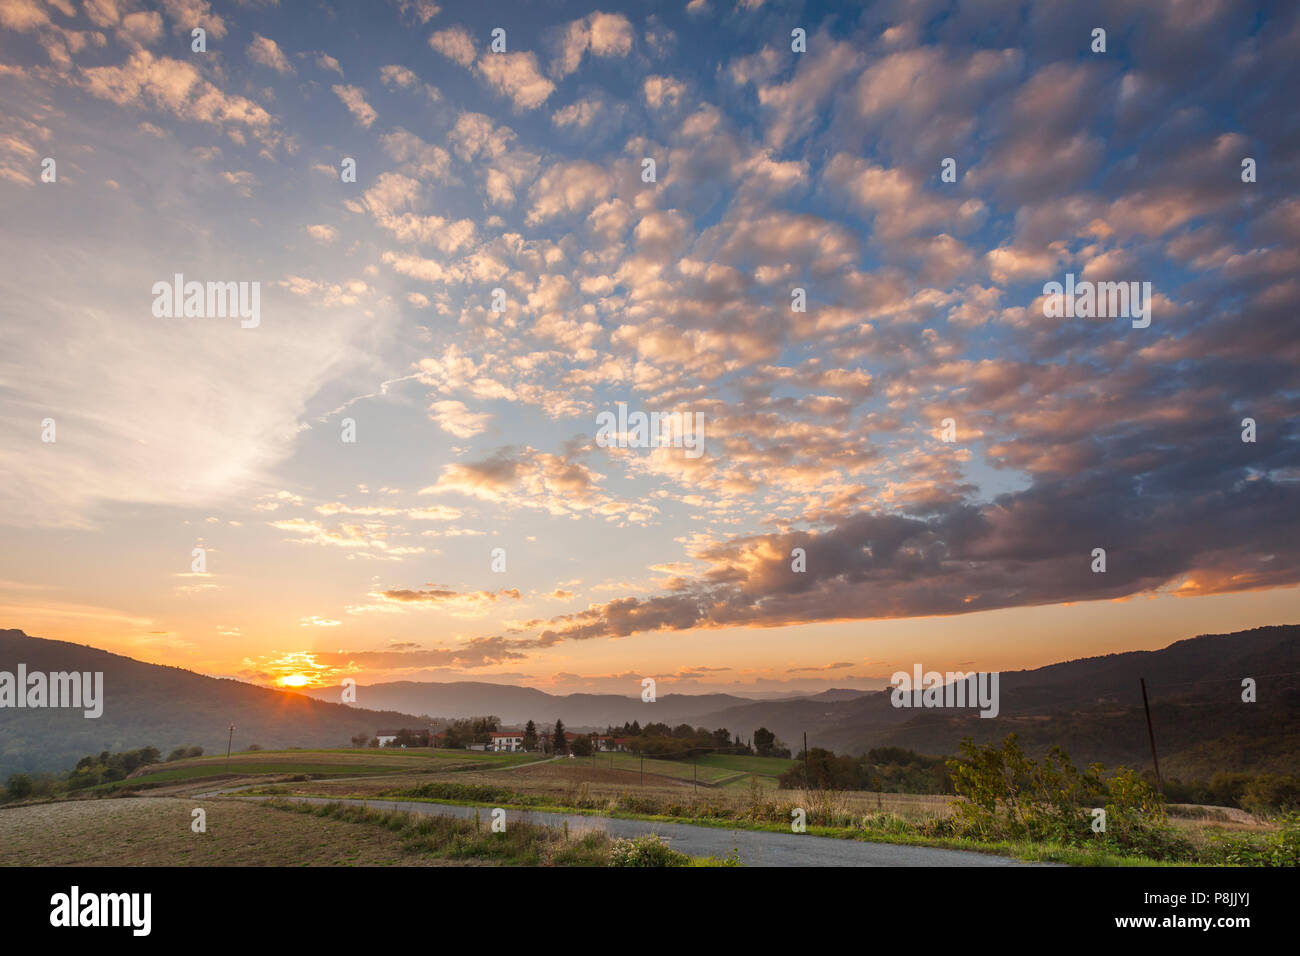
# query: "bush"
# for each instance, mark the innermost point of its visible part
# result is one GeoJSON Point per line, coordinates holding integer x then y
{"type": "Point", "coordinates": [648, 850]}
{"type": "Point", "coordinates": [1281, 848]}
{"type": "Point", "coordinates": [19, 786]}
{"type": "Point", "coordinates": [1009, 796]}
{"type": "Point", "coordinates": [1266, 794]}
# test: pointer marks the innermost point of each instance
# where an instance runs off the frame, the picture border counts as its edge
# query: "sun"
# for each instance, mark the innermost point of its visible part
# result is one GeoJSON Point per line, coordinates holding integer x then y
{"type": "Point", "coordinates": [294, 680]}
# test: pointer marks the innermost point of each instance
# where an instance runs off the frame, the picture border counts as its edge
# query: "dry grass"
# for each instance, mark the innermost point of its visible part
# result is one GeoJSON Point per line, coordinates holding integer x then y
{"type": "Point", "coordinates": [156, 832]}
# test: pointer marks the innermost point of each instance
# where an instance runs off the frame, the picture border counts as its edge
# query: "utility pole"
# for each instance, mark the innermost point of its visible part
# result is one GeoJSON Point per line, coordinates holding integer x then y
{"type": "Point", "coordinates": [1151, 734]}
{"type": "Point", "coordinates": [805, 760]}
{"type": "Point", "coordinates": [229, 741]}
{"type": "Point", "coordinates": [643, 770]}
{"type": "Point", "coordinates": [695, 771]}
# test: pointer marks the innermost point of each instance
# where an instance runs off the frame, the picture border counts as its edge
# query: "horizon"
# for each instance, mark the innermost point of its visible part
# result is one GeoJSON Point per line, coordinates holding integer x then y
{"type": "Point", "coordinates": [404, 442]}
{"type": "Point", "coordinates": [758, 696]}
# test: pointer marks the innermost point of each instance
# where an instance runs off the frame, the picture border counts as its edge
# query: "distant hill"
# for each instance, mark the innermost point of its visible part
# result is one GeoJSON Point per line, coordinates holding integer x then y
{"type": "Point", "coordinates": [515, 705]}
{"type": "Point", "coordinates": [166, 707]}
{"type": "Point", "coordinates": [1093, 709]}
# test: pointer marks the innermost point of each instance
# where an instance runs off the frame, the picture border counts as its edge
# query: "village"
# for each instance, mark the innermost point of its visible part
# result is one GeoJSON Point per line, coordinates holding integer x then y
{"type": "Point", "coordinates": [527, 740]}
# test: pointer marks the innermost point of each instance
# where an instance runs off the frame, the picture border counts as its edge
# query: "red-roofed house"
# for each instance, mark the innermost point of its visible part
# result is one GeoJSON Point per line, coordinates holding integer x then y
{"type": "Point", "coordinates": [507, 740]}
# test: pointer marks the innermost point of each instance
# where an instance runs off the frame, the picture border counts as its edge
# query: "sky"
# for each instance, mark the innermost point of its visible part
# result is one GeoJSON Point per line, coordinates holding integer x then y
{"type": "Point", "coordinates": [504, 267]}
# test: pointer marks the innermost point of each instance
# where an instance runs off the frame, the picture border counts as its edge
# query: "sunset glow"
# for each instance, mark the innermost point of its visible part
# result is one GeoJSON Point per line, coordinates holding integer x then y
{"type": "Point", "coordinates": [479, 276]}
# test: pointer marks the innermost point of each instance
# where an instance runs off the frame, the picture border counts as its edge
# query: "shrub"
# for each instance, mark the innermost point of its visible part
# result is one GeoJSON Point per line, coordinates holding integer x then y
{"type": "Point", "coordinates": [1266, 794]}
{"type": "Point", "coordinates": [648, 850]}
{"type": "Point", "coordinates": [19, 786]}
{"type": "Point", "coordinates": [1010, 796]}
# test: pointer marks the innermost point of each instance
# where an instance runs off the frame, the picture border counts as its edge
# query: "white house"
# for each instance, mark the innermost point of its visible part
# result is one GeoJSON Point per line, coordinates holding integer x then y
{"type": "Point", "coordinates": [507, 740]}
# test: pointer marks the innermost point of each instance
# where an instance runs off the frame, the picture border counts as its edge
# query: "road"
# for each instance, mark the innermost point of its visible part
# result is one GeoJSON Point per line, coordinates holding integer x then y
{"type": "Point", "coordinates": [756, 847]}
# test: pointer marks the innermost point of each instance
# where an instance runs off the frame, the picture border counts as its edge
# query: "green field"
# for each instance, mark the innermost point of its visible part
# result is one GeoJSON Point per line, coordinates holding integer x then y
{"type": "Point", "coordinates": [715, 770]}
{"type": "Point", "coordinates": [741, 763]}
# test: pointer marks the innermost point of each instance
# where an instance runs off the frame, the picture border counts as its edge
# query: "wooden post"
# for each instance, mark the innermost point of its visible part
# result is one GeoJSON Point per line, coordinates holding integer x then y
{"type": "Point", "coordinates": [1151, 734]}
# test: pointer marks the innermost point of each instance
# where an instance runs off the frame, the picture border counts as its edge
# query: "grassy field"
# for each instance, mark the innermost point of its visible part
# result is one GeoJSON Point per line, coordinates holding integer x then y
{"type": "Point", "coordinates": [711, 770]}
{"type": "Point", "coordinates": [317, 764]}
{"type": "Point", "coordinates": [731, 790]}
{"type": "Point", "coordinates": [605, 784]}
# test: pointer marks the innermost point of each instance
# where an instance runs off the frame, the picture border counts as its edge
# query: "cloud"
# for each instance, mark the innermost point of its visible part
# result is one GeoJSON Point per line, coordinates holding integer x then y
{"type": "Point", "coordinates": [454, 43]}
{"type": "Point", "coordinates": [603, 34]}
{"type": "Point", "coordinates": [568, 188]}
{"type": "Point", "coordinates": [465, 604]}
{"type": "Point", "coordinates": [140, 29]}
{"type": "Point", "coordinates": [322, 232]}
{"type": "Point", "coordinates": [795, 104]}
{"type": "Point", "coordinates": [454, 417]}
{"type": "Point", "coordinates": [22, 15]}
{"type": "Point", "coordinates": [662, 91]}
{"type": "Point", "coordinates": [327, 62]}
{"type": "Point", "coordinates": [184, 14]}
{"type": "Point", "coordinates": [516, 76]}
{"type": "Point", "coordinates": [353, 97]}
{"type": "Point", "coordinates": [267, 52]}
{"type": "Point", "coordinates": [527, 478]}
{"type": "Point", "coordinates": [175, 86]}
{"type": "Point", "coordinates": [420, 11]}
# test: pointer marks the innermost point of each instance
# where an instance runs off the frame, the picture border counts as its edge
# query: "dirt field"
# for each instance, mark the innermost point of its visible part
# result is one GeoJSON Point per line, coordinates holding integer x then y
{"type": "Point", "coordinates": [156, 832]}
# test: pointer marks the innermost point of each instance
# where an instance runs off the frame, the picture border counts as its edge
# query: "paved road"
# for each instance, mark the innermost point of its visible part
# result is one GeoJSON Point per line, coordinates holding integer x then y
{"type": "Point", "coordinates": [756, 847]}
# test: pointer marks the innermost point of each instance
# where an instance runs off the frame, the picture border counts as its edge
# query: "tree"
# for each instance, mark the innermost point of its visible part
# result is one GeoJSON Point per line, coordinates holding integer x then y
{"type": "Point", "coordinates": [581, 746]}
{"type": "Point", "coordinates": [19, 786]}
{"type": "Point", "coordinates": [530, 736]}
{"type": "Point", "coordinates": [764, 742]}
{"type": "Point", "coordinates": [484, 727]}
{"type": "Point", "coordinates": [411, 738]}
{"type": "Point", "coordinates": [360, 740]}
{"type": "Point", "coordinates": [558, 743]}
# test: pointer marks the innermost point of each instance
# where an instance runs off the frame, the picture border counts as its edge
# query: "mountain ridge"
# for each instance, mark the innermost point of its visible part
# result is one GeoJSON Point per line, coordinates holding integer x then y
{"type": "Point", "coordinates": [1092, 706]}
